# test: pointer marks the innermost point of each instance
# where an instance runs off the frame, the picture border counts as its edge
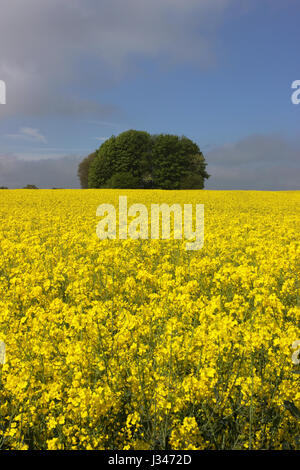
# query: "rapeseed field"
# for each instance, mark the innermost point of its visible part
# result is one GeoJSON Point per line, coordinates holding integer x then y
{"type": "Point", "coordinates": [141, 344]}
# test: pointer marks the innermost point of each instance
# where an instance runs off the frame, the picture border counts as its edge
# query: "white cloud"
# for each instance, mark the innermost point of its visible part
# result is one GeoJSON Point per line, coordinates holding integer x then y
{"type": "Point", "coordinates": [29, 134]}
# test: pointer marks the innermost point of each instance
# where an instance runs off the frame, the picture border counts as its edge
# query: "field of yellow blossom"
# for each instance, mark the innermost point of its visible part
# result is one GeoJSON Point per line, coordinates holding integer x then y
{"type": "Point", "coordinates": [141, 344]}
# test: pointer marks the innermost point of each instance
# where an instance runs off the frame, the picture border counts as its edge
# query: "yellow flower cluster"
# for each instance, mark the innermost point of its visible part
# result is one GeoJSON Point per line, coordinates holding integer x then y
{"type": "Point", "coordinates": [141, 344]}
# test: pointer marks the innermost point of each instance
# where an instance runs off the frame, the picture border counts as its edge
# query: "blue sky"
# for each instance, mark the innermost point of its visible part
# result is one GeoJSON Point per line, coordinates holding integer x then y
{"type": "Point", "coordinates": [218, 71]}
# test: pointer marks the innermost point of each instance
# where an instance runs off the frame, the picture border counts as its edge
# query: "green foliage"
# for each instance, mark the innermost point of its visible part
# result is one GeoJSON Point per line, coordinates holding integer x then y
{"type": "Point", "coordinates": [135, 159]}
{"type": "Point", "coordinates": [133, 152]}
{"type": "Point", "coordinates": [83, 169]}
{"type": "Point", "coordinates": [30, 186]}
{"type": "Point", "coordinates": [192, 181]}
{"type": "Point", "coordinates": [177, 163]}
{"type": "Point", "coordinates": [102, 167]}
{"type": "Point", "coordinates": [123, 180]}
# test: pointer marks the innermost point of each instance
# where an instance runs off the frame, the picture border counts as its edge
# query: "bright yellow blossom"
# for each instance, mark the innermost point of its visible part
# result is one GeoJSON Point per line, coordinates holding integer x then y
{"type": "Point", "coordinates": [140, 344]}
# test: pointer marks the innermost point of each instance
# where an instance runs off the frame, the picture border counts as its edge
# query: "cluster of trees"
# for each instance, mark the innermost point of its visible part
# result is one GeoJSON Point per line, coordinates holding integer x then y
{"type": "Point", "coordinates": [137, 159]}
{"type": "Point", "coordinates": [28, 186]}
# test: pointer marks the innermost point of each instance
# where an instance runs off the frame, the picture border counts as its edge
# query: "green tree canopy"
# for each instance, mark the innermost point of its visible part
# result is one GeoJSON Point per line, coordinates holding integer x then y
{"type": "Point", "coordinates": [30, 186]}
{"type": "Point", "coordinates": [123, 180]}
{"type": "Point", "coordinates": [83, 169]}
{"type": "Point", "coordinates": [136, 159]}
{"type": "Point", "coordinates": [129, 153]}
{"type": "Point", "coordinates": [102, 167]}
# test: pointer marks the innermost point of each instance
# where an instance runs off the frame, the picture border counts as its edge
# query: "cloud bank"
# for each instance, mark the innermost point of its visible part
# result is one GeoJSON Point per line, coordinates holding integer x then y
{"type": "Point", "coordinates": [260, 162]}
{"type": "Point", "coordinates": [47, 173]}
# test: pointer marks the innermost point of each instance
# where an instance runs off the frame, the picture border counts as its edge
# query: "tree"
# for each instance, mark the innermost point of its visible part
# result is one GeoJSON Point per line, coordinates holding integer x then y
{"type": "Point", "coordinates": [136, 159]}
{"type": "Point", "coordinates": [83, 169]}
{"type": "Point", "coordinates": [102, 167]}
{"type": "Point", "coordinates": [177, 163]}
{"type": "Point", "coordinates": [192, 181]}
{"type": "Point", "coordinates": [123, 180]}
{"type": "Point", "coordinates": [133, 153]}
{"type": "Point", "coordinates": [194, 178]}
{"type": "Point", "coordinates": [129, 152]}
{"type": "Point", "coordinates": [30, 186]}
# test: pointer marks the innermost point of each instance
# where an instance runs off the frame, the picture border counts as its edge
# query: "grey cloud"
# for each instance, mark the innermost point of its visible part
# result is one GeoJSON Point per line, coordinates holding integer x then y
{"type": "Point", "coordinates": [42, 44]}
{"type": "Point", "coordinates": [48, 173]}
{"type": "Point", "coordinates": [257, 162]}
